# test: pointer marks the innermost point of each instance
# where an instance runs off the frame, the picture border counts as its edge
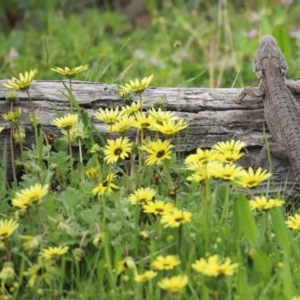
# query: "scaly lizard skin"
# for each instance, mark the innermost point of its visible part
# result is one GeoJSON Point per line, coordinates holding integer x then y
{"type": "Point", "coordinates": [281, 110]}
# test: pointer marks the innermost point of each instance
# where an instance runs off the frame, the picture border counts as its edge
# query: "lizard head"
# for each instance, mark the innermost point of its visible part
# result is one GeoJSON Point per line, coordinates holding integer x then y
{"type": "Point", "coordinates": [268, 49]}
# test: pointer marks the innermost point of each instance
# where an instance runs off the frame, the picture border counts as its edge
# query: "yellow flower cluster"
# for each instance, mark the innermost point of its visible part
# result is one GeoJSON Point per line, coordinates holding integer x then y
{"type": "Point", "coordinates": [218, 162]}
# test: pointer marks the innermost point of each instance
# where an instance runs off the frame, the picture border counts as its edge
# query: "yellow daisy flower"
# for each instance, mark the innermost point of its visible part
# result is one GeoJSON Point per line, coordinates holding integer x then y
{"type": "Point", "coordinates": [213, 267]}
{"type": "Point", "coordinates": [127, 263]}
{"type": "Point", "coordinates": [135, 86]}
{"type": "Point", "coordinates": [14, 117]}
{"type": "Point", "coordinates": [174, 284]}
{"type": "Point", "coordinates": [261, 203]}
{"type": "Point", "coordinates": [157, 151]}
{"type": "Point", "coordinates": [106, 185]}
{"type": "Point", "coordinates": [142, 121]}
{"type": "Point", "coordinates": [7, 272]}
{"type": "Point", "coordinates": [148, 275]}
{"type": "Point", "coordinates": [70, 73]}
{"type": "Point", "coordinates": [66, 122]}
{"type": "Point", "coordinates": [198, 178]}
{"type": "Point", "coordinates": [162, 116]}
{"type": "Point", "coordinates": [157, 207]}
{"type": "Point", "coordinates": [176, 218]}
{"type": "Point", "coordinates": [202, 156]}
{"type": "Point", "coordinates": [43, 271]}
{"type": "Point", "coordinates": [98, 240]}
{"type": "Point", "coordinates": [234, 146]}
{"type": "Point", "coordinates": [109, 116]}
{"type": "Point", "coordinates": [95, 149]}
{"type": "Point", "coordinates": [133, 108]}
{"type": "Point", "coordinates": [207, 170]}
{"type": "Point", "coordinates": [1, 129]}
{"type": "Point", "coordinates": [250, 179]}
{"type": "Point", "coordinates": [92, 173]}
{"type": "Point", "coordinates": [24, 81]}
{"type": "Point", "coordinates": [123, 125]}
{"type": "Point", "coordinates": [19, 134]}
{"type": "Point", "coordinates": [117, 149]}
{"type": "Point", "coordinates": [141, 196]}
{"type": "Point", "coordinates": [169, 128]}
{"type": "Point", "coordinates": [7, 228]}
{"type": "Point", "coordinates": [53, 253]}
{"type": "Point", "coordinates": [227, 172]}
{"type": "Point", "coordinates": [166, 262]}
{"type": "Point", "coordinates": [293, 222]}
{"type": "Point", "coordinates": [32, 195]}
{"type": "Point", "coordinates": [31, 242]}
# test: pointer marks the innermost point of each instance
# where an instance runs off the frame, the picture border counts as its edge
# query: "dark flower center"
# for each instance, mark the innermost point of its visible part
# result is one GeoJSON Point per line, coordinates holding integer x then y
{"type": "Point", "coordinates": [160, 153]}
{"type": "Point", "coordinates": [104, 183]}
{"type": "Point", "coordinates": [41, 271]}
{"type": "Point", "coordinates": [179, 220]}
{"type": "Point", "coordinates": [118, 151]}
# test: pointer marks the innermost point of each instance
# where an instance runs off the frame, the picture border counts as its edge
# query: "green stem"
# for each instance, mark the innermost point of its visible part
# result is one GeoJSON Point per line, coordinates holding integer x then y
{"type": "Point", "coordinates": [70, 153]}
{"type": "Point", "coordinates": [226, 204]}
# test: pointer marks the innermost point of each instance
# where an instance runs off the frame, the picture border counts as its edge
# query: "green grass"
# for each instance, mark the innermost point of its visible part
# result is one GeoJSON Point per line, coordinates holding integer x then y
{"type": "Point", "coordinates": [72, 214]}
{"type": "Point", "coordinates": [266, 250]}
{"type": "Point", "coordinates": [186, 44]}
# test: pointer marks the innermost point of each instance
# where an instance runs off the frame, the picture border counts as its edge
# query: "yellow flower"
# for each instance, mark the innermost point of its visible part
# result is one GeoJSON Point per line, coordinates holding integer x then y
{"type": "Point", "coordinates": [202, 156]}
{"type": "Point", "coordinates": [127, 263]}
{"type": "Point", "coordinates": [169, 128]}
{"type": "Point", "coordinates": [106, 185]}
{"type": "Point", "coordinates": [109, 116]}
{"type": "Point", "coordinates": [142, 121]}
{"type": "Point", "coordinates": [198, 178]}
{"type": "Point", "coordinates": [7, 271]}
{"type": "Point", "coordinates": [250, 179]}
{"type": "Point", "coordinates": [133, 108]}
{"type": "Point", "coordinates": [157, 207]}
{"type": "Point", "coordinates": [228, 156]}
{"type": "Point", "coordinates": [32, 195]}
{"type": "Point", "coordinates": [92, 173]}
{"type": "Point", "coordinates": [141, 196]}
{"type": "Point", "coordinates": [76, 132]}
{"type": "Point", "coordinates": [43, 271]}
{"type": "Point", "coordinates": [174, 284]}
{"type": "Point", "coordinates": [213, 267]}
{"type": "Point", "coordinates": [23, 83]}
{"type": "Point", "coordinates": [294, 222]}
{"type": "Point", "coordinates": [7, 228]}
{"type": "Point", "coordinates": [162, 116]}
{"type": "Point", "coordinates": [98, 240]}
{"type": "Point", "coordinates": [95, 149]}
{"type": "Point", "coordinates": [144, 235]}
{"type": "Point", "coordinates": [118, 149]}
{"type": "Point", "coordinates": [19, 134]}
{"type": "Point", "coordinates": [227, 172]}
{"type": "Point", "coordinates": [157, 151]}
{"type": "Point", "coordinates": [135, 86]}
{"type": "Point", "coordinates": [234, 146]}
{"type": "Point", "coordinates": [176, 218]}
{"type": "Point", "coordinates": [70, 73]}
{"type": "Point", "coordinates": [1, 129]}
{"type": "Point", "coordinates": [14, 117]}
{"type": "Point", "coordinates": [31, 242]}
{"type": "Point", "coordinates": [53, 252]}
{"type": "Point", "coordinates": [123, 125]}
{"type": "Point", "coordinates": [166, 263]}
{"type": "Point", "coordinates": [207, 170]}
{"type": "Point", "coordinates": [148, 275]}
{"type": "Point", "coordinates": [66, 122]}
{"type": "Point", "coordinates": [261, 203]}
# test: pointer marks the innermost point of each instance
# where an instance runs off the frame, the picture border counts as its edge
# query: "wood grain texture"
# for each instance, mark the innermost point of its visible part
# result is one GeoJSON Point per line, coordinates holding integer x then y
{"type": "Point", "coordinates": [212, 114]}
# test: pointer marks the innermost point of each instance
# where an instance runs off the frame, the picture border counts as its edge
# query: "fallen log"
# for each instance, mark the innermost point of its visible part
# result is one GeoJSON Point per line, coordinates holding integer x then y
{"type": "Point", "coordinates": [212, 114]}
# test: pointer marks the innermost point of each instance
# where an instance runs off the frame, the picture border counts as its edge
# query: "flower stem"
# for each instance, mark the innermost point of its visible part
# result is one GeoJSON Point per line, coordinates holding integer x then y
{"type": "Point", "coordinates": [70, 153]}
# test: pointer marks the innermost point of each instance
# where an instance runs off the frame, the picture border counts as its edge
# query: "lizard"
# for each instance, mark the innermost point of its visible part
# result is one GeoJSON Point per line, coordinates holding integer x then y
{"type": "Point", "coordinates": [282, 112]}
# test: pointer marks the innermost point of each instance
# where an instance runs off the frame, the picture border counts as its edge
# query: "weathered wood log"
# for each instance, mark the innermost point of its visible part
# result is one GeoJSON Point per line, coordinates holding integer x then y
{"type": "Point", "coordinates": [212, 114]}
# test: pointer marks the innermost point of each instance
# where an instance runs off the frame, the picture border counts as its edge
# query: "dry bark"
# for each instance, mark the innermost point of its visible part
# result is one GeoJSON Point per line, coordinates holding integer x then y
{"type": "Point", "coordinates": [212, 114]}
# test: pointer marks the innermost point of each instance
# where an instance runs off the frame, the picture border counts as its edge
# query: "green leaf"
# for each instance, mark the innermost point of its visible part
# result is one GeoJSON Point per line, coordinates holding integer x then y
{"type": "Point", "coordinates": [283, 40]}
{"type": "Point", "coordinates": [281, 231]}
{"type": "Point", "coordinates": [244, 218]}
{"type": "Point", "coordinates": [243, 287]}
{"type": "Point", "coordinates": [288, 286]}
{"type": "Point", "coordinates": [262, 265]}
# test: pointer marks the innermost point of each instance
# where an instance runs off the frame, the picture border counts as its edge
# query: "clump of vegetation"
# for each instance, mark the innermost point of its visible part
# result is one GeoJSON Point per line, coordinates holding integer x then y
{"type": "Point", "coordinates": [127, 218]}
